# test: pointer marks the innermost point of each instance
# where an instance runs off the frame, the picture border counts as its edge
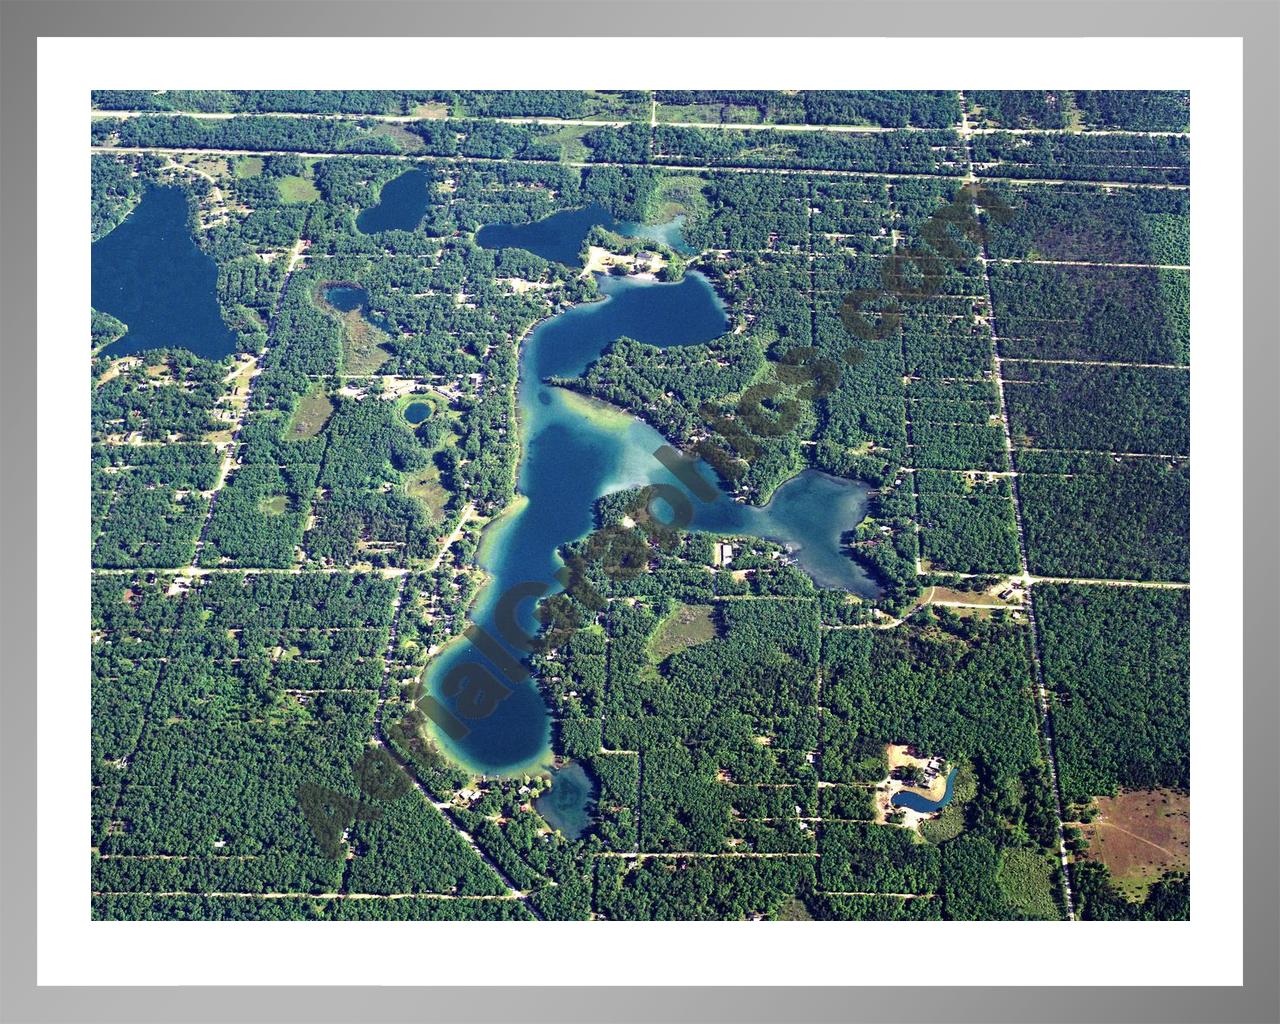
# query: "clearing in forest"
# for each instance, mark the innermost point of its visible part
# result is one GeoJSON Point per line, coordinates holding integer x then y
{"type": "Point", "coordinates": [1139, 835]}
{"type": "Point", "coordinates": [687, 626]}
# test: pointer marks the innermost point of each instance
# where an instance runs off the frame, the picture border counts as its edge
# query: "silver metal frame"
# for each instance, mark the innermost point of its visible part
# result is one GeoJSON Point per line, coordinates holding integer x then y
{"type": "Point", "coordinates": [1258, 23]}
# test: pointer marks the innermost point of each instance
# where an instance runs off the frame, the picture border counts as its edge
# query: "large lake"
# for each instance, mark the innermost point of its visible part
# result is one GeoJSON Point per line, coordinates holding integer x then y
{"type": "Point", "coordinates": [575, 450]}
{"type": "Point", "coordinates": [148, 274]}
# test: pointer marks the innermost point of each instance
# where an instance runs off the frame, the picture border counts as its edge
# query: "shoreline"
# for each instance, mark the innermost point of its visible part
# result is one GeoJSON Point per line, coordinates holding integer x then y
{"type": "Point", "coordinates": [544, 761]}
{"type": "Point", "coordinates": [612, 416]}
{"type": "Point", "coordinates": [519, 501]}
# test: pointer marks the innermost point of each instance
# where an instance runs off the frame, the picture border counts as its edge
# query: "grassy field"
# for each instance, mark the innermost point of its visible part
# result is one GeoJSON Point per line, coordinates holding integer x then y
{"type": "Point", "coordinates": [708, 113]}
{"type": "Point", "coordinates": [362, 349]}
{"type": "Point", "coordinates": [276, 505]}
{"type": "Point", "coordinates": [950, 823]}
{"type": "Point", "coordinates": [312, 413]}
{"type": "Point", "coordinates": [406, 140]}
{"type": "Point", "coordinates": [1026, 876]}
{"type": "Point", "coordinates": [569, 138]}
{"type": "Point", "coordinates": [294, 189]}
{"type": "Point", "coordinates": [425, 486]}
{"type": "Point", "coordinates": [793, 910]}
{"type": "Point", "coordinates": [688, 625]}
{"type": "Point", "coordinates": [431, 111]}
{"type": "Point", "coordinates": [613, 106]}
{"type": "Point", "coordinates": [675, 196]}
{"type": "Point", "coordinates": [1139, 835]}
{"type": "Point", "coordinates": [248, 167]}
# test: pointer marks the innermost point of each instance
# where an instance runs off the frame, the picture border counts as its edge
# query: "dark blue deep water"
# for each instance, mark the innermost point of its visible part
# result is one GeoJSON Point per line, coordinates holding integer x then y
{"type": "Point", "coordinates": [345, 297]}
{"type": "Point", "coordinates": [576, 450]}
{"type": "Point", "coordinates": [559, 237]}
{"type": "Point", "coordinates": [149, 274]}
{"type": "Point", "coordinates": [569, 803]}
{"type": "Point", "coordinates": [416, 412]}
{"type": "Point", "coordinates": [916, 802]}
{"type": "Point", "coordinates": [401, 205]}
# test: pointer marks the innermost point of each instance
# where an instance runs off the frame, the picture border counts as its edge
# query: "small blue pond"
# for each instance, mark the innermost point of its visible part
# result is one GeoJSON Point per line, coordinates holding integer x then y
{"type": "Point", "coordinates": [416, 412]}
{"type": "Point", "coordinates": [402, 203]}
{"type": "Point", "coordinates": [345, 297]}
{"type": "Point", "coordinates": [922, 804]}
{"type": "Point", "coordinates": [568, 805]}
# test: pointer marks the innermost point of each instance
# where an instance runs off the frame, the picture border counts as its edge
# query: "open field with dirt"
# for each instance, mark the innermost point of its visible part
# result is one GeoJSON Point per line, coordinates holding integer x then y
{"type": "Point", "coordinates": [1139, 835]}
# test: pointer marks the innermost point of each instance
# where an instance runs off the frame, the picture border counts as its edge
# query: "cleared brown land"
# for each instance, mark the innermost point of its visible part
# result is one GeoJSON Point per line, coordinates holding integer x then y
{"type": "Point", "coordinates": [1139, 836]}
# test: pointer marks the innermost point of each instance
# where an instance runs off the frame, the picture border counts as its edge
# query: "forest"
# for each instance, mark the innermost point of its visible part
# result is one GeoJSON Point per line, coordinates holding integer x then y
{"type": "Point", "coordinates": [1108, 314]}
{"type": "Point", "coordinates": [1118, 663]}
{"type": "Point", "coordinates": [1100, 517]}
{"type": "Point", "coordinates": [1137, 410]}
{"type": "Point", "coordinates": [1146, 159]}
{"type": "Point", "coordinates": [1084, 223]}
{"type": "Point", "coordinates": [914, 152]}
{"type": "Point", "coordinates": [966, 529]}
{"type": "Point", "coordinates": [1123, 109]}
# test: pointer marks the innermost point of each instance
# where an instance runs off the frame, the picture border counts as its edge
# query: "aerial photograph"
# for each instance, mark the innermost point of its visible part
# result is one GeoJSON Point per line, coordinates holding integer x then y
{"type": "Point", "coordinates": [667, 505]}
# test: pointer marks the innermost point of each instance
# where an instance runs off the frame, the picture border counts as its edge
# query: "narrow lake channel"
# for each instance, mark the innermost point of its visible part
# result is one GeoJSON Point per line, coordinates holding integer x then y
{"type": "Point", "coordinates": [575, 450]}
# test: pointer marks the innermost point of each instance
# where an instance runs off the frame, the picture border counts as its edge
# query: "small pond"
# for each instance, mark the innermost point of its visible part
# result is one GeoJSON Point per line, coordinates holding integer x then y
{"type": "Point", "coordinates": [401, 205]}
{"type": "Point", "coordinates": [345, 297]}
{"type": "Point", "coordinates": [569, 804]}
{"type": "Point", "coordinates": [416, 412]}
{"type": "Point", "coordinates": [922, 804]}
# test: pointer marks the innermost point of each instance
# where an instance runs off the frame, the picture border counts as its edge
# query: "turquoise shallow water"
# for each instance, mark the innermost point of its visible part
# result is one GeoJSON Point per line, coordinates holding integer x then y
{"type": "Point", "coordinates": [573, 453]}
{"type": "Point", "coordinates": [149, 274]}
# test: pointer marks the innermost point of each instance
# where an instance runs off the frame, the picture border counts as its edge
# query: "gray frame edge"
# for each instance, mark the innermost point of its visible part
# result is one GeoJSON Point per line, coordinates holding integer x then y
{"type": "Point", "coordinates": [23, 21]}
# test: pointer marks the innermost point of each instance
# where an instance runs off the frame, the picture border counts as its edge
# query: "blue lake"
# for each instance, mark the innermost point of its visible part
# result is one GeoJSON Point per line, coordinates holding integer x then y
{"type": "Point", "coordinates": [574, 451]}
{"type": "Point", "coordinates": [402, 204]}
{"type": "Point", "coordinates": [149, 274]}
{"type": "Point", "coordinates": [916, 802]}
{"type": "Point", "coordinates": [569, 803]}
{"type": "Point", "coordinates": [559, 237]}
